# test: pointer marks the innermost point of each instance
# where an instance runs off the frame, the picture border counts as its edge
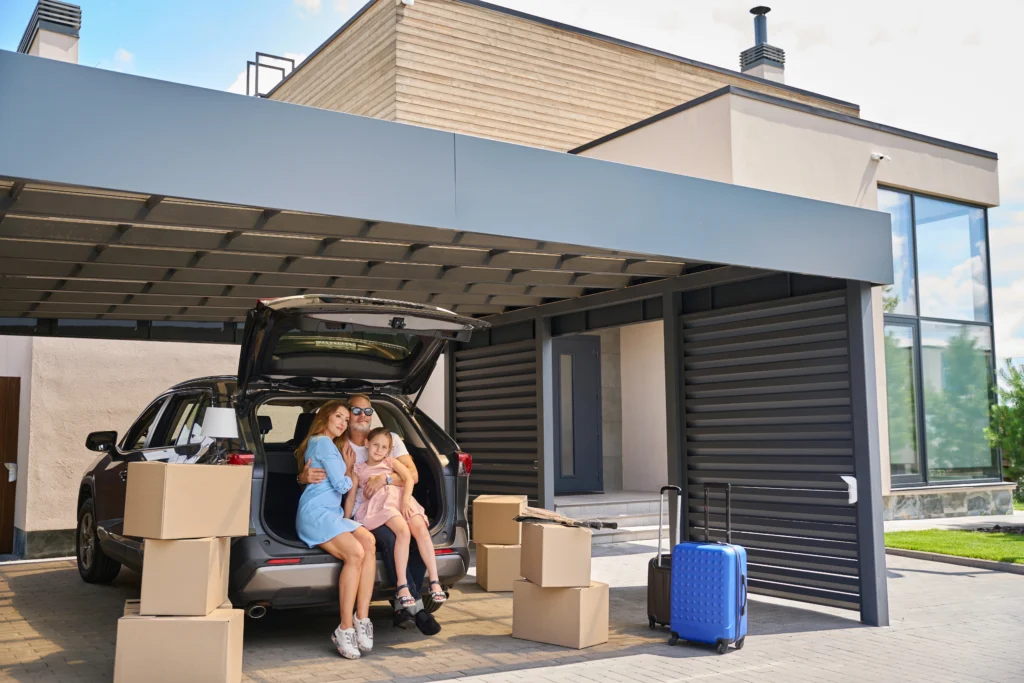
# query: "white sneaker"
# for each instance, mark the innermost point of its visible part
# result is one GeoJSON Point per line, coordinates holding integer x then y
{"type": "Point", "coordinates": [364, 633]}
{"type": "Point", "coordinates": [345, 641]}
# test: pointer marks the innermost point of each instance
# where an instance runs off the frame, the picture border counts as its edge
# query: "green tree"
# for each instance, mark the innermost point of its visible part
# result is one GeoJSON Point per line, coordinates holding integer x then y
{"type": "Point", "coordinates": [958, 411]}
{"type": "Point", "coordinates": [1007, 429]}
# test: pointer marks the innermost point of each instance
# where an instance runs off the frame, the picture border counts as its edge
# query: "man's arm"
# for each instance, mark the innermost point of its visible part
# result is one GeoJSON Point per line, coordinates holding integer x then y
{"type": "Point", "coordinates": [401, 454]}
{"type": "Point", "coordinates": [311, 475]}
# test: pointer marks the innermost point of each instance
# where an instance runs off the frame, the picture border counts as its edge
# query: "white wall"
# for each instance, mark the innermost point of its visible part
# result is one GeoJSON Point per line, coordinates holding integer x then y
{"type": "Point", "coordinates": [644, 430]}
{"type": "Point", "coordinates": [432, 400]}
{"type": "Point", "coordinates": [53, 45]}
{"type": "Point", "coordinates": [16, 361]}
{"type": "Point", "coordinates": [84, 385]}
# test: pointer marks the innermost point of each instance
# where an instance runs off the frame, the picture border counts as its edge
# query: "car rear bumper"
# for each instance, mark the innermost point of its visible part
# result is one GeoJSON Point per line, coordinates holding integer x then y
{"type": "Point", "coordinates": [314, 581]}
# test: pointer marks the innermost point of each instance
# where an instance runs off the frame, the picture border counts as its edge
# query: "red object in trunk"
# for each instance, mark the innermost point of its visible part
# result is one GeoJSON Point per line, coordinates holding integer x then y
{"type": "Point", "coordinates": [241, 458]}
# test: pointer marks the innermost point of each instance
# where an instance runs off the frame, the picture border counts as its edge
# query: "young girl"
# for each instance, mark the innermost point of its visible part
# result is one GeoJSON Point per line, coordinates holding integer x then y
{"type": "Point", "coordinates": [394, 507]}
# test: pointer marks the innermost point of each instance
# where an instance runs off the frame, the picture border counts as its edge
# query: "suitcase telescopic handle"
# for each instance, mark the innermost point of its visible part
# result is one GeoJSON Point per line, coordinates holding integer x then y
{"type": "Point", "coordinates": [661, 516]}
{"type": "Point", "coordinates": [728, 510]}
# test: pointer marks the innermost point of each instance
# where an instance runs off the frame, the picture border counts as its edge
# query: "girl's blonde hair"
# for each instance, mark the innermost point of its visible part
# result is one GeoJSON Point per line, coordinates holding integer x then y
{"type": "Point", "coordinates": [319, 426]}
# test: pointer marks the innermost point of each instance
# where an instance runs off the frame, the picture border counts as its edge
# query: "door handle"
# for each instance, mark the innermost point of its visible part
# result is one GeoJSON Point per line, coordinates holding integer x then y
{"type": "Point", "coordinates": [123, 474]}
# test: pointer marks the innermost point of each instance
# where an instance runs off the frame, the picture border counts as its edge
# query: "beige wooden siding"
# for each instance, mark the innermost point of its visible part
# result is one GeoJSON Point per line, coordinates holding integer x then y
{"type": "Point", "coordinates": [481, 72]}
{"type": "Point", "coordinates": [355, 73]}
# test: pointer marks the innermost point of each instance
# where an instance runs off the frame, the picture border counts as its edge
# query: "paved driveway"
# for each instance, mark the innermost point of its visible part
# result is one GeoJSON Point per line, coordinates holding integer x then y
{"type": "Point", "coordinates": [950, 624]}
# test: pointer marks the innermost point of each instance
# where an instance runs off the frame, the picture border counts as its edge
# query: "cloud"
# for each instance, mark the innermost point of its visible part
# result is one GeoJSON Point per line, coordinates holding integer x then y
{"type": "Point", "coordinates": [310, 6]}
{"type": "Point", "coordinates": [345, 7]}
{"type": "Point", "coordinates": [123, 60]}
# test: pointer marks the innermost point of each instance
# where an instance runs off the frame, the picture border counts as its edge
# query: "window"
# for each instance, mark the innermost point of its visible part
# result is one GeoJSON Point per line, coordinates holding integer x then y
{"type": "Point", "coordinates": [952, 258]}
{"type": "Point", "coordinates": [136, 437]}
{"type": "Point", "coordinates": [901, 296]}
{"type": "Point", "coordinates": [939, 359]}
{"type": "Point", "coordinates": [185, 421]}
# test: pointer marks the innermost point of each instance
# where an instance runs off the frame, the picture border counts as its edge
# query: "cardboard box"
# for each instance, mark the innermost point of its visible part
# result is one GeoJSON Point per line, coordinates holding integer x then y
{"type": "Point", "coordinates": [570, 617]}
{"type": "Point", "coordinates": [497, 566]}
{"type": "Point", "coordinates": [175, 649]}
{"type": "Point", "coordinates": [556, 556]}
{"type": "Point", "coordinates": [184, 578]}
{"type": "Point", "coordinates": [187, 501]}
{"type": "Point", "coordinates": [493, 519]}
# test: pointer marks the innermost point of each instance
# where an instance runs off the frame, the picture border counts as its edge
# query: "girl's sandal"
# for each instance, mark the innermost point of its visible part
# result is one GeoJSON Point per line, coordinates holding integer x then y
{"type": "Point", "coordinates": [438, 595]}
{"type": "Point", "coordinates": [405, 600]}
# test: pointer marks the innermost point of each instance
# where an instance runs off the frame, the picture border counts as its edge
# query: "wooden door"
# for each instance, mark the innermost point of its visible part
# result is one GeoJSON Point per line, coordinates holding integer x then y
{"type": "Point", "coordinates": [10, 391]}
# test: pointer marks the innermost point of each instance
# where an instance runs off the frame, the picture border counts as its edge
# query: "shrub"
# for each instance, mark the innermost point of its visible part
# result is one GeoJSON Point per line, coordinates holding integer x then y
{"type": "Point", "coordinates": [1007, 427]}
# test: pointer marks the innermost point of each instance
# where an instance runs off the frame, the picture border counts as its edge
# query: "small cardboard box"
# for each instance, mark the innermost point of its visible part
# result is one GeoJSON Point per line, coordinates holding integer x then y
{"type": "Point", "coordinates": [497, 566]}
{"type": "Point", "coordinates": [175, 649]}
{"type": "Point", "coordinates": [186, 578]}
{"type": "Point", "coordinates": [494, 519]}
{"type": "Point", "coordinates": [570, 617]}
{"type": "Point", "coordinates": [556, 556]}
{"type": "Point", "coordinates": [187, 501]}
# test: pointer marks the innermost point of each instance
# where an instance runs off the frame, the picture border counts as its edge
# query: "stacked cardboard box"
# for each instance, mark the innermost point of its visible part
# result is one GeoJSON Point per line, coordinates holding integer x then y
{"type": "Point", "coordinates": [497, 536]}
{"type": "Point", "coordinates": [556, 602]}
{"type": "Point", "coordinates": [183, 628]}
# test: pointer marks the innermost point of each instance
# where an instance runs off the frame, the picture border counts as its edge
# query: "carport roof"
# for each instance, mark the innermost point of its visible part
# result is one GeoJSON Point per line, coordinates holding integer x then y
{"type": "Point", "coordinates": [129, 198]}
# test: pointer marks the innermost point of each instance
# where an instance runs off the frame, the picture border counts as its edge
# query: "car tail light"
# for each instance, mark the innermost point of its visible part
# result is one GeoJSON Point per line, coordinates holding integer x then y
{"type": "Point", "coordinates": [285, 560]}
{"type": "Point", "coordinates": [465, 464]}
{"type": "Point", "coordinates": [240, 458]}
{"type": "Point", "coordinates": [444, 551]}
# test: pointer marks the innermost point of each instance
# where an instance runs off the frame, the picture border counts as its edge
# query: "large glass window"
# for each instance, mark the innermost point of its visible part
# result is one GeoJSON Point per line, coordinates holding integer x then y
{"type": "Point", "coordinates": [901, 296]}
{"type": "Point", "coordinates": [956, 366]}
{"type": "Point", "coordinates": [900, 378]}
{"type": "Point", "coordinates": [938, 342]}
{"type": "Point", "coordinates": [951, 256]}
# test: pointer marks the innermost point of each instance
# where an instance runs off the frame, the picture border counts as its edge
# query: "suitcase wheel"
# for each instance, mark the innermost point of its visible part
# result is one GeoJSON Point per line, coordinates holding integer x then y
{"type": "Point", "coordinates": [651, 622]}
{"type": "Point", "coordinates": [673, 639]}
{"type": "Point", "coordinates": [739, 643]}
{"type": "Point", "coordinates": [723, 648]}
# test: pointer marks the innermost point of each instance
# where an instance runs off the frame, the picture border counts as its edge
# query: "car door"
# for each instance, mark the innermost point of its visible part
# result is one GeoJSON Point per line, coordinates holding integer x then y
{"type": "Point", "coordinates": [111, 480]}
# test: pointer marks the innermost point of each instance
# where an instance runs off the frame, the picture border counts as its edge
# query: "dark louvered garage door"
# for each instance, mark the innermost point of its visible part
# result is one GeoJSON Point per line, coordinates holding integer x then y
{"type": "Point", "coordinates": [496, 416]}
{"type": "Point", "coordinates": [767, 408]}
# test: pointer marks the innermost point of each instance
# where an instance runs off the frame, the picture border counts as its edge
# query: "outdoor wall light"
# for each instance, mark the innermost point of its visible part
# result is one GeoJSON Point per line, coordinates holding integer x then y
{"type": "Point", "coordinates": [878, 156]}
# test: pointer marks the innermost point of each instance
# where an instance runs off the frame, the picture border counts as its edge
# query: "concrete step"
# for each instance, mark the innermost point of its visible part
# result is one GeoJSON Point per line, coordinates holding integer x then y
{"type": "Point", "coordinates": [604, 509]}
{"type": "Point", "coordinates": [625, 535]}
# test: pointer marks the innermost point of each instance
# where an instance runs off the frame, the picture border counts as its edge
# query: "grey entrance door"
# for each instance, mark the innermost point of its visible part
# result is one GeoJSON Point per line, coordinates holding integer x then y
{"type": "Point", "coordinates": [577, 374]}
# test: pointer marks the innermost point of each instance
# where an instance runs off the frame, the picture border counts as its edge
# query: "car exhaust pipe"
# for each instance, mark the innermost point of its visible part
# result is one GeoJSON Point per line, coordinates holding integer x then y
{"type": "Point", "coordinates": [257, 610]}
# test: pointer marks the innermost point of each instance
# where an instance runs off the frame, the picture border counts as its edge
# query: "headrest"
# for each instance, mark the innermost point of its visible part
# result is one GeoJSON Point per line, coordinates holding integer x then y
{"type": "Point", "coordinates": [302, 426]}
{"type": "Point", "coordinates": [266, 424]}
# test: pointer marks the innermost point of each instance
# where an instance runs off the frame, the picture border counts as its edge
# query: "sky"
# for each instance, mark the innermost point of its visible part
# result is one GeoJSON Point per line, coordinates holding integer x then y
{"type": "Point", "coordinates": [940, 68]}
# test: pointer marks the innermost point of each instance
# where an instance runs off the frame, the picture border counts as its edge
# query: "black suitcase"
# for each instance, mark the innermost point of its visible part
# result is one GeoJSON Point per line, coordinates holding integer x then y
{"type": "Point", "coordinates": [659, 569]}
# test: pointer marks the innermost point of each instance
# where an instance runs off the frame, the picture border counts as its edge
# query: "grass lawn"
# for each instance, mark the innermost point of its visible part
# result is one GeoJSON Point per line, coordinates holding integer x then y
{"type": "Point", "coordinates": [1017, 505]}
{"type": "Point", "coordinates": [985, 546]}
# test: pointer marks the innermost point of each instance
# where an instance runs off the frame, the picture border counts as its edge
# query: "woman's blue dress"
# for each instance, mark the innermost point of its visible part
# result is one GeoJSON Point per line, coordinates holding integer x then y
{"type": "Point", "coordinates": [321, 517]}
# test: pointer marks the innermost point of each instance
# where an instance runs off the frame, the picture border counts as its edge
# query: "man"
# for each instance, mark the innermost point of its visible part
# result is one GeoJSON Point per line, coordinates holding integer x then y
{"type": "Point", "coordinates": [359, 426]}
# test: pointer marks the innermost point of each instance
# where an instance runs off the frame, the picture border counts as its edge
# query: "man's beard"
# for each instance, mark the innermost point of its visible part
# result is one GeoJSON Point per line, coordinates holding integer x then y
{"type": "Point", "coordinates": [357, 427]}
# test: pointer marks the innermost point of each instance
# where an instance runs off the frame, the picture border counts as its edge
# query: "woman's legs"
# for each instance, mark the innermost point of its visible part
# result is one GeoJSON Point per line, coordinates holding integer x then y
{"type": "Point", "coordinates": [401, 531]}
{"type": "Point", "coordinates": [419, 530]}
{"type": "Point", "coordinates": [368, 571]}
{"type": "Point", "coordinates": [350, 551]}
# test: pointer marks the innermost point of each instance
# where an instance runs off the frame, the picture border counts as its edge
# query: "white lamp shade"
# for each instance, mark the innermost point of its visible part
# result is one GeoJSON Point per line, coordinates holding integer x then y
{"type": "Point", "coordinates": [220, 423]}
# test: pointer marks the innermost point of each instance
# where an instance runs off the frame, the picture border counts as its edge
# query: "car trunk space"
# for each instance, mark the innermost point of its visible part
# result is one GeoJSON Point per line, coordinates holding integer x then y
{"type": "Point", "coordinates": [284, 422]}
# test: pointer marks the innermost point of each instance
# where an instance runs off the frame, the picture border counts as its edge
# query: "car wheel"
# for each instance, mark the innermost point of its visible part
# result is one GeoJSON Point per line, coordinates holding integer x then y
{"type": "Point", "coordinates": [93, 565]}
{"type": "Point", "coordinates": [429, 605]}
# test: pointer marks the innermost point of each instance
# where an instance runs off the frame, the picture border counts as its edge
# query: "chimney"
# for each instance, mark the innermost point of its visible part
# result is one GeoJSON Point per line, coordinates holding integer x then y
{"type": "Point", "coordinates": [763, 60]}
{"type": "Point", "coordinates": [52, 31]}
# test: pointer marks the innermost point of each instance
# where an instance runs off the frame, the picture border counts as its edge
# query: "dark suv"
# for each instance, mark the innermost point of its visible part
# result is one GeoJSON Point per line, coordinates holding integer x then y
{"type": "Point", "coordinates": [297, 353]}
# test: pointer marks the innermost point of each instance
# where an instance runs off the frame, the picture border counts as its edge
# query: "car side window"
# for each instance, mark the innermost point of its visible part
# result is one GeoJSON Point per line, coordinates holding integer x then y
{"type": "Point", "coordinates": [136, 437]}
{"type": "Point", "coordinates": [184, 421]}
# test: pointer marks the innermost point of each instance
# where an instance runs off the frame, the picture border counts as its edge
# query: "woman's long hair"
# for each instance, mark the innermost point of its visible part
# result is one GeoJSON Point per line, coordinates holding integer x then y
{"type": "Point", "coordinates": [319, 426]}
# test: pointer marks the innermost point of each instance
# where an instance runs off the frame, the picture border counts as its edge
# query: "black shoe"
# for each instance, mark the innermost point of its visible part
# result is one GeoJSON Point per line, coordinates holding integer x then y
{"type": "Point", "coordinates": [403, 619]}
{"type": "Point", "coordinates": [427, 624]}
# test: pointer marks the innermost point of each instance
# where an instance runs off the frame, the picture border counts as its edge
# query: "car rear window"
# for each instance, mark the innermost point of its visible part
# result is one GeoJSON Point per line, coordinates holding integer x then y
{"type": "Point", "coordinates": [387, 346]}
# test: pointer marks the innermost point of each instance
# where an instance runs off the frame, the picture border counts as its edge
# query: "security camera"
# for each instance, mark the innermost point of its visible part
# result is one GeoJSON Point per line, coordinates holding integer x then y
{"type": "Point", "coordinates": [878, 156]}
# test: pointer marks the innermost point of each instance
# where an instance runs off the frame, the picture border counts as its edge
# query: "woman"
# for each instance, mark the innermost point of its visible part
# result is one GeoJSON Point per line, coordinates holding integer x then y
{"type": "Point", "coordinates": [321, 522]}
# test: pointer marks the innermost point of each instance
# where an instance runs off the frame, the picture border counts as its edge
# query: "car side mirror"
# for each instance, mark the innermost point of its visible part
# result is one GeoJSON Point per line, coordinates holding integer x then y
{"type": "Point", "coordinates": [101, 442]}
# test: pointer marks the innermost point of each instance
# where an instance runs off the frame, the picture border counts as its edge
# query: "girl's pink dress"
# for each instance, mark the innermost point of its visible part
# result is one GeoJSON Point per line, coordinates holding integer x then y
{"type": "Point", "coordinates": [386, 503]}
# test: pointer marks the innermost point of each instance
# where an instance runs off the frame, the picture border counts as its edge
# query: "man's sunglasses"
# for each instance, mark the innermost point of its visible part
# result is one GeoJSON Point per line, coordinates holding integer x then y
{"type": "Point", "coordinates": [362, 411]}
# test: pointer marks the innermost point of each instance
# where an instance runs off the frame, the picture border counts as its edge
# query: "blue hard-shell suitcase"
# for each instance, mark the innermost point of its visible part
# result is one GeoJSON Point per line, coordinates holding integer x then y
{"type": "Point", "coordinates": [709, 587]}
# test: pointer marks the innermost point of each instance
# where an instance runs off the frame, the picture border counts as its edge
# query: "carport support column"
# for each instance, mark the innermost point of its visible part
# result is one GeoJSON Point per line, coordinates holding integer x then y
{"type": "Point", "coordinates": [545, 414]}
{"type": "Point", "coordinates": [874, 597]}
{"type": "Point", "coordinates": [672, 309]}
